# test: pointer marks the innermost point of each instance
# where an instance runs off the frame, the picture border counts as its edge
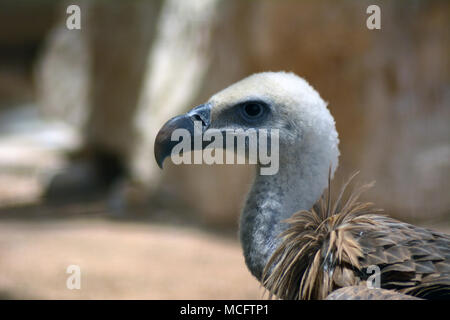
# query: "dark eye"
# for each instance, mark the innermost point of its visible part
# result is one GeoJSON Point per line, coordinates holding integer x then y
{"type": "Point", "coordinates": [252, 110]}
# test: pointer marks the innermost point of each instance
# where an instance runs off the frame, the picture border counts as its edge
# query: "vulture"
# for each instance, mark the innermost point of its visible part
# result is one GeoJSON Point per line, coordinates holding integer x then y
{"type": "Point", "coordinates": [296, 240]}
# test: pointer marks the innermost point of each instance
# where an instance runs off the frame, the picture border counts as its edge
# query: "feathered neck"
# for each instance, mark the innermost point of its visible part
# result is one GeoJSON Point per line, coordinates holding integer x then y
{"type": "Point", "coordinates": [319, 249]}
{"type": "Point", "coordinates": [299, 183]}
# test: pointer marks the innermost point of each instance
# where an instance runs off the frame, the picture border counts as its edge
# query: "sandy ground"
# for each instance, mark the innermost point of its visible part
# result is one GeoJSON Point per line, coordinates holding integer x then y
{"type": "Point", "coordinates": [120, 261]}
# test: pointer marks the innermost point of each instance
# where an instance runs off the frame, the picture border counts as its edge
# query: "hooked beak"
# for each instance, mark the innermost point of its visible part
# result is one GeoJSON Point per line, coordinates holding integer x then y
{"type": "Point", "coordinates": [163, 142]}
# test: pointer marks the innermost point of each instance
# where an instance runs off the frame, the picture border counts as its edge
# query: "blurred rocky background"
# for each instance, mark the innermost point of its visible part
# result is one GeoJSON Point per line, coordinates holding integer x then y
{"type": "Point", "coordinates": [79, 110]}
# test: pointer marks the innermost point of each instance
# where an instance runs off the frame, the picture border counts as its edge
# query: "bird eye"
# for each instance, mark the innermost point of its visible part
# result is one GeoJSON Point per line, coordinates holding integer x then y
{"type": "Point", "coordinates": [252, 110]}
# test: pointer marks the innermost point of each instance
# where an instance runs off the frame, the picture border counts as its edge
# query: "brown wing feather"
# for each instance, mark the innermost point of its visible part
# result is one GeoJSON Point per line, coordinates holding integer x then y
{"type": "Point", "coordinates": [364, 293]}
{"type": "Point", "coordinates": [332, 245]}
{"type": "Point", "coordinates": [417, 263]}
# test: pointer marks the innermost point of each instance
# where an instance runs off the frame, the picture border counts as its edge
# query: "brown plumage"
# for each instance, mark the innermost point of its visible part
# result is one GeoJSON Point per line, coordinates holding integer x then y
{"type": "Point", "coordinates": [332, 245]}
{"type": "Point", "coordinates": [362, 292]}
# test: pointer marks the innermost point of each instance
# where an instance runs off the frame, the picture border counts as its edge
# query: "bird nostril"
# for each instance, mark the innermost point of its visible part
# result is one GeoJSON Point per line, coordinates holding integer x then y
{"type": "Point", "coordinates": [196, 117]}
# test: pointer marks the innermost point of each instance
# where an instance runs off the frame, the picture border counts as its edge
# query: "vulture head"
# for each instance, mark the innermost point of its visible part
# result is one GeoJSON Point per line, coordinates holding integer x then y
{"type": "Point", "coordinates": [268, 100]}
{"type": "Point", "coordinates": [308, 148]}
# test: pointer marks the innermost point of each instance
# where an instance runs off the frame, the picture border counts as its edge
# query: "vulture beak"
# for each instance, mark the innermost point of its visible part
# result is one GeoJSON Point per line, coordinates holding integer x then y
{"type": "Point", "coordinates": [163, 142]}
